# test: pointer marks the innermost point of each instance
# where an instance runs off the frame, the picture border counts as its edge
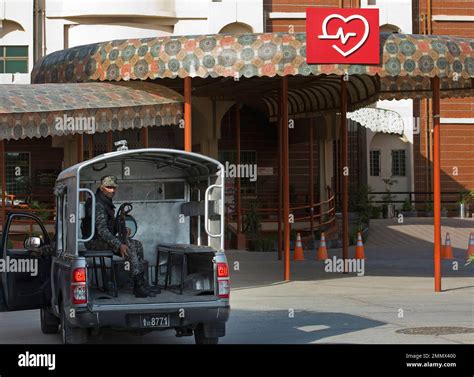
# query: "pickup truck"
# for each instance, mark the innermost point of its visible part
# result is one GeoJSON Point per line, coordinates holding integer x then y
{"type": "Point", "coordinates": [176, 200]}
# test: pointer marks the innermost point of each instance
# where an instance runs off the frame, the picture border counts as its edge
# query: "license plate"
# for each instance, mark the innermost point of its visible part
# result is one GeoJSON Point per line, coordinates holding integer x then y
{"type": "Point", "coordinates": [154, 320]}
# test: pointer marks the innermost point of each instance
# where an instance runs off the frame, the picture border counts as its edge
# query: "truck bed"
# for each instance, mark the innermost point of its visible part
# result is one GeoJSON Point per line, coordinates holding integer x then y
{"type": "Point", "coordinates": [98, 297]}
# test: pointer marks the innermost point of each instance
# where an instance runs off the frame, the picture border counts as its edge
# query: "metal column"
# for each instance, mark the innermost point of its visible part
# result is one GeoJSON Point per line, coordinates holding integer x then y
{"type": "Point", "coordinates": [187, 115]}
{"type": "Point", "coordinates": [436, 182]}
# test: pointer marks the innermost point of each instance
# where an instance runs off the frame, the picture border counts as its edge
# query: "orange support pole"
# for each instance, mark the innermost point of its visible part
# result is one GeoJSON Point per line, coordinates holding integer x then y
{"type": "Point", "coordinates": [286, 177]}
{"type": "Point", "coordinates": [311, 175]}
{"type": "Point", "coordinates": [187, 115]}
{"type": "Point", "coordinates": [345, 177]}
{"type": "Point", "coordinates": [80, 148]}
{"type": "Point", "coordinates": [238, 201]}
{"type": "Point", "coordinates": [280, 176]}
{"type": "Point", "coordinates": [436, 182]}
{"type": "Point", "coordinates": [145, 137]}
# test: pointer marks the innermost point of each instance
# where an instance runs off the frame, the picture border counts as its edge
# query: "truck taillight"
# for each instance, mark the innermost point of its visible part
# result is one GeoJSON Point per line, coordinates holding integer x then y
{"type": "Point", "coordinates": [79, 275]}
{"type": "Point", "coordinates": [222, 270]}
{"type": "Point", "coordinates": [78, 286]}
{"type": "Point", "coordinates": [79, 294]}
{"type": "Point", "coordinates": [224, 288]}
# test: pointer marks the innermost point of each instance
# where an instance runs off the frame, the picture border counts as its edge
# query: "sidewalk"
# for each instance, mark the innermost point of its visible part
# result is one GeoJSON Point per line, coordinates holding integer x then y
{"type": "Point", "coordinates": [395, 294]}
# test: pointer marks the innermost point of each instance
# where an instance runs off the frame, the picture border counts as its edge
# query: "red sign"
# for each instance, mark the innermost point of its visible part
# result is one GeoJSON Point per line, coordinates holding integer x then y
{"type": "Point", "coordinates": [342, 36]}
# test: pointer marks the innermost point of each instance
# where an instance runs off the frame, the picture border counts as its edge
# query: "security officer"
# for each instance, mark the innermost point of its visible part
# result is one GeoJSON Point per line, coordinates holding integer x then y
{"type": "Point", "coordinates": [105, 236]}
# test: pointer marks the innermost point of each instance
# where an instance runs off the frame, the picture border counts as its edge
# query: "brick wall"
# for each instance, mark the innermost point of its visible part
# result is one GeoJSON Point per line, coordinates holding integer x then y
{"type": "Point", "coordinates": [457, 140]}
{"type": "Point", "coordinates": [298, 25]}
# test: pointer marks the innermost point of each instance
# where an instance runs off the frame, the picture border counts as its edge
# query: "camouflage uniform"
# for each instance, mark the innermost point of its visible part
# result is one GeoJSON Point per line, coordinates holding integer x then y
{"type": "Point", "coordinates": [104, 239]}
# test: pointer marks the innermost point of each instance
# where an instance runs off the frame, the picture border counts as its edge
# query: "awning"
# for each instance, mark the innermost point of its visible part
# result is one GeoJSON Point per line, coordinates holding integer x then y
{"type": "Point", "coordinates": [224, 64]}
{"type": "Point", "coordinates": [378, 120]}
{"type": "Point", "coordinates": [403, 57]}
{"type": "Point", "coordinates": [41, 110]}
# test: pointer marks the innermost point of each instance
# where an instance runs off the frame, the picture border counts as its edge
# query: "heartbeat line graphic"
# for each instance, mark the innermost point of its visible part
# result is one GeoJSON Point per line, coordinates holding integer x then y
{"type": "Point", "coordinates": [339, 35]}
{"type": "Point", "coordinates": [340, 32]}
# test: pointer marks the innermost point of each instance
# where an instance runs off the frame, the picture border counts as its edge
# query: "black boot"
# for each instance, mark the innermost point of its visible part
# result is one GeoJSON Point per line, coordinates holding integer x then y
{"type": "Point", "coordinates": [151, 288]}
{"type": "Point", "coordinates": [140, 289]}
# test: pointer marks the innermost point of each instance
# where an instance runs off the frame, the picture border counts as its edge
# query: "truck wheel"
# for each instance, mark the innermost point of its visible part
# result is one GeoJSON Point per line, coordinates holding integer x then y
{"type": "Point", "coordinates": [200, 337]}
{"type": "Point", "coordinates": [49, 322]}
{"type": "Point", "coordinates": [69, 334]}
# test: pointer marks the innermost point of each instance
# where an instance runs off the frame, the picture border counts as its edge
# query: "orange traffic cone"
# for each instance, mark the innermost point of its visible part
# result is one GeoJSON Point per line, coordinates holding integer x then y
{"type": "Point", "coordinates": [447, 249]}
{"type": "Point", "coordinates": [360, 252]}
{"type": "Point", "coordinates": [322, 251]}
{"type": "Point", "coordinates": [298, 255]}
{"type": "Point", "coordinates": [470, 248]}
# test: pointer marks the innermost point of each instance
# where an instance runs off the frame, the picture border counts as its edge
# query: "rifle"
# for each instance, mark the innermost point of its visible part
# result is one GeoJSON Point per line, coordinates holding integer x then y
{"type": "Point", "coordinates": [120, 220]}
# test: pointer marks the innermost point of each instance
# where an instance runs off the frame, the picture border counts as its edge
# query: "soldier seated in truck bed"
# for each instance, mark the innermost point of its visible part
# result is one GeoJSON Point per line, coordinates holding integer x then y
{"type": "Point", "coordinates": [105, 236]}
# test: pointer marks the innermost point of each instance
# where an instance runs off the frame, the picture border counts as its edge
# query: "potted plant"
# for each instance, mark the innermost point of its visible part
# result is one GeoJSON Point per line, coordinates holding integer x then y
{"type": "Point", "coordinates": [464, 199]}
{"type": "Point", "coordinates": [360, 203]}
{"type": "Point", "coordinates": [388, 207]}
{"type": "Point", "coordinates": [375, 212]}
{"type": "Point", "coordinates": [429, 209]}
{"type": "Point", "coordinates": [408, 209]}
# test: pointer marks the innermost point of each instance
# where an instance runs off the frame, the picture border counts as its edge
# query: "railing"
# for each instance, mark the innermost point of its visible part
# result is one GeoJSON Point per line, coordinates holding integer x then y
{"type": "Point", "coordinates": [411, 194]}
{"type": "Point", "coordinates": [318, 215]}
{"type": "Point", "coordinates": [23, 203]}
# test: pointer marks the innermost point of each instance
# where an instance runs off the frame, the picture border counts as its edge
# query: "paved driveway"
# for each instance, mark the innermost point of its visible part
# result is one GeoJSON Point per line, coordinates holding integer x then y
{"type": "Point", "coordinates": [395, 293]}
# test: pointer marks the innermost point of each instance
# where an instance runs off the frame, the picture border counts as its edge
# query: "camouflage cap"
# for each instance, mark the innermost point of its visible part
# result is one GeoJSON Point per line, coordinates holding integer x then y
{"type": "Point", "coordinates": [109, 181]}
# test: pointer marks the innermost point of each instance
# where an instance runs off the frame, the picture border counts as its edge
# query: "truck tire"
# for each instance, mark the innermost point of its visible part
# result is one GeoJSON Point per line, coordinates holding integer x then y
{"type": "Point", "coordinates": [49, 322]}
{"type": "Point", "coordinates": [200, 337]}
{"type": "Point", "coordinates": [69, 334]}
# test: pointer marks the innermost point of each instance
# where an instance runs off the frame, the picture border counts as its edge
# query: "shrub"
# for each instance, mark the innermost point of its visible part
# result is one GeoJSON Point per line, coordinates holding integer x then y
{"type": "Point", "coordinates": [43, 215]}
{"type": "Point", "coordinates": [407, 207]}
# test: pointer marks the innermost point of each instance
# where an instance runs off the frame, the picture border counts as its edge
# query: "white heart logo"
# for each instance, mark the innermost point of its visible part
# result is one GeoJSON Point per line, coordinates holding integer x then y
{"type": "Point", "coordinates": [345, 37]}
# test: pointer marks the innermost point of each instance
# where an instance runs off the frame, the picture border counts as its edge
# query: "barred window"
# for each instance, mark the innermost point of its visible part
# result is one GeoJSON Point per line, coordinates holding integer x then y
{"type": "Point", "coordinates": [13, 59]}
{"type": "Point", "coordinates": [375, 163]}
{"type": "Point", "coordinates": [18, 167]}
{"type": "Point", "coordinates": [398, 162]}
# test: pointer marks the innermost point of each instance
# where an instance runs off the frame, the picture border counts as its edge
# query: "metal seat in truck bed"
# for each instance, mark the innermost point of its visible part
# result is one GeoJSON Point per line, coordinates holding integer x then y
{"type": "Point", "coordinates": [182, 250]}
{"type": "Point", "coordinates": [102, 254]}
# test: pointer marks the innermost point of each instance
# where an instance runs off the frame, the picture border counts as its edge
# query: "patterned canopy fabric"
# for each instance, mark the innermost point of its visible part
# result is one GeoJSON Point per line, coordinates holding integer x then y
{"type": "Point", "coordinates": [249, 55]}
{"type": "Point", "coordinates": [42, 110]}
{"type": "Point", "coordinates": [407, 64]}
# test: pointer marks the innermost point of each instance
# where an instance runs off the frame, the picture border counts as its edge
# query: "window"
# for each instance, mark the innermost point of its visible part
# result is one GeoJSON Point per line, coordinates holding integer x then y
{"type": "Point", "coordinates": [375, 163]}
{"type": "Point", "coordinates": [151, 190]}
{"type": "Point", "coordinates": [248, 160]}
{"type": "Point", "coordinates": [18, 173]}
{"type": "Point", "coordinates": [398, 162]}
{"type": "Point", "coordinates": [13, 59]}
